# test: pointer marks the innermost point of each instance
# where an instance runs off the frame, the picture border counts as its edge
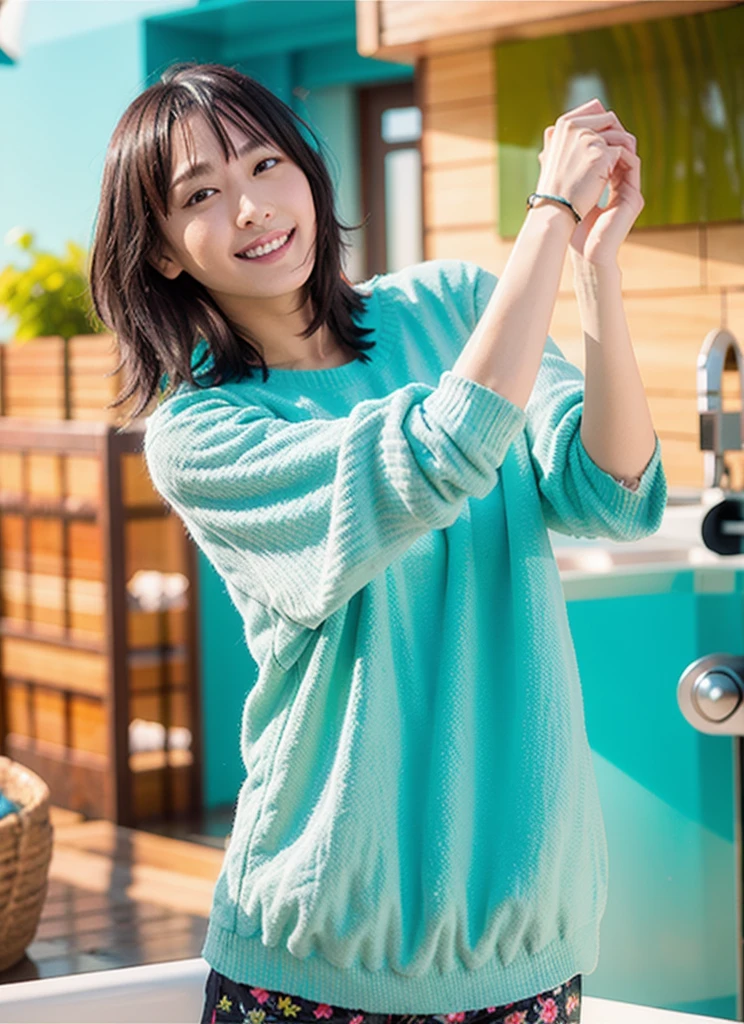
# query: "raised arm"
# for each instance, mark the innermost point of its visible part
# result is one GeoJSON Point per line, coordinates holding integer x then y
{"type": "Point", "coordinates": [505, 350]}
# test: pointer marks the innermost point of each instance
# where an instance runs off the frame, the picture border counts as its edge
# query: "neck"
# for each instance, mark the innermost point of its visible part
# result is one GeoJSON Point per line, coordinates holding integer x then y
{"type": "Point", "coordinates": [277, 325]}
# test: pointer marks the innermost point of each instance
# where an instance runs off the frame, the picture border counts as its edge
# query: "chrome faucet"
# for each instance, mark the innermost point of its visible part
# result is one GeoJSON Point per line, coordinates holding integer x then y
{"type": "Point", "coordinates": [720, 431]}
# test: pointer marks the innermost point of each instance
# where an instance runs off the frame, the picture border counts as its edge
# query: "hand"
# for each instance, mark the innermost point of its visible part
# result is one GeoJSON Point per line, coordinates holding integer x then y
{"type": "Point", "coordinates": [601, 232]}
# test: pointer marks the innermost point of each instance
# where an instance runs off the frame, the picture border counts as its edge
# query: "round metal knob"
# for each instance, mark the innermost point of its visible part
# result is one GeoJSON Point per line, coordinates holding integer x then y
{"type": "Point", "coordinates": [716, 694]}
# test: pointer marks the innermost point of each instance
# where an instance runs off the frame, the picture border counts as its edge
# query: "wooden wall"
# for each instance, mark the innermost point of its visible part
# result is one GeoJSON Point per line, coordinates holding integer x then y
{"type": "Point", "coordinates": [406, 30]}
{"type": "Point", "coordinates": [678, 283]}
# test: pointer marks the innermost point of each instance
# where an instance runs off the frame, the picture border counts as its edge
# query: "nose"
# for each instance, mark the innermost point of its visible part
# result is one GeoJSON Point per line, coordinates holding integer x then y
{"type": "Point", "coordinates": [252, 209]}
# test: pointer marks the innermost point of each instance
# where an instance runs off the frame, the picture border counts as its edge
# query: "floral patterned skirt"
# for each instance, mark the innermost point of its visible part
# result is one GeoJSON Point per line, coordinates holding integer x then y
{"type": "Point", "coordinates": [226, 1001]}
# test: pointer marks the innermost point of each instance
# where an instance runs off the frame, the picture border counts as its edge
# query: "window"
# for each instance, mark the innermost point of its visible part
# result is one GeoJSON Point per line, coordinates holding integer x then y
{"type": "Point", "coordinates": [390, 124]}
{"type": "Point", "coordinates": [676, 83]}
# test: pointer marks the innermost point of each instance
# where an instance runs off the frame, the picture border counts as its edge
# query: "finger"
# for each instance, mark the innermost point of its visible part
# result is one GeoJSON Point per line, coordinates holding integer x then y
{"type": "Point", "coordinates": [597, 122]}
{"type": "Point", "coordinates": [634, 171]}
{"type": "Point", "coordinates": [630, 161]}
{"type": "Point", "coordinates": [547, 136]}
{"type": "Point", "coordinates": [588, 107]}
{"type": "Point", "coordinates": [613, 137]}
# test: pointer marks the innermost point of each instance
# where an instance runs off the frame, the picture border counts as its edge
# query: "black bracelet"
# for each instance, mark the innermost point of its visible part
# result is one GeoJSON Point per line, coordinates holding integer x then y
{"type": "Point", "coordinates": [559, 199]}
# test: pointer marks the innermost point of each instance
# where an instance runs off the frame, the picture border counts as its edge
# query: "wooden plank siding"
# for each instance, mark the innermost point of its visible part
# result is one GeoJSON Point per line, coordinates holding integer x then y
{"type": "Point", "coordinates": [409, 30]}
{"type": "Point", "coordinates": [679, 283]}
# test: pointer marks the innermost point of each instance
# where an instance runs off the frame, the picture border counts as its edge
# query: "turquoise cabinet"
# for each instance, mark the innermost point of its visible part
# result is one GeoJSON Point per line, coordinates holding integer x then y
{"type": "Point", "coordinates": [670, 932]}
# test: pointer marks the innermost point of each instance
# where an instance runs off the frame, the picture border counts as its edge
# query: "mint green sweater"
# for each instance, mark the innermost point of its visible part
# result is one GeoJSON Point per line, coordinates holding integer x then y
{"type": "Point", "coordinates": [419, 830]}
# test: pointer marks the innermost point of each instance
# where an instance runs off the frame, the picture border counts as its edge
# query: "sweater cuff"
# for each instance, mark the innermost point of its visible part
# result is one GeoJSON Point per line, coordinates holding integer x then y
{"type": "Point", "coordinates": [651, 483]}
{"type": "Point", "coordinates": [469, 408]}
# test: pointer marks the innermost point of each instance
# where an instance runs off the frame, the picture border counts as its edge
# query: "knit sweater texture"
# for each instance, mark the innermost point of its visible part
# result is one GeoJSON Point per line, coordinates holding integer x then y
{"type": "Point", "coordinates": [419, 830]}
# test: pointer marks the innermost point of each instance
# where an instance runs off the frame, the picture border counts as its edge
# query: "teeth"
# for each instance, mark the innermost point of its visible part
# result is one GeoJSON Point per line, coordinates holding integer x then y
{"type": "Point", "coordinates": [251, 254]}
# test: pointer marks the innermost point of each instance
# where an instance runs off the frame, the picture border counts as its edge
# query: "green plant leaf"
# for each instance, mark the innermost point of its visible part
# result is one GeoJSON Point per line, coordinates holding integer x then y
{"type": "Point", "coordinates": [51, 296]}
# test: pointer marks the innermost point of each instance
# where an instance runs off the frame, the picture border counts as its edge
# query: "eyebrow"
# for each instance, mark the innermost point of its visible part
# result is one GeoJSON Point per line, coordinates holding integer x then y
{"type": "Point", "coordinates": [196, 170]}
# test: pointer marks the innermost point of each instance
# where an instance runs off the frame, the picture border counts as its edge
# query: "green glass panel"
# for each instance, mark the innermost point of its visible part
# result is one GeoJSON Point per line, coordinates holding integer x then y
{"type": "Point", "coordinates": [676, 83]}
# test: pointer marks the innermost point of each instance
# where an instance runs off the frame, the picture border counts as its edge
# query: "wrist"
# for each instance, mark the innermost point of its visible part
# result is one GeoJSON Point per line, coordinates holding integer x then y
{"type": "Point", "coordinates": [597, 275]}
{"type": "Point", "coordinates": [552, 216]}
{"type": "Point", "coordinates": [542, 197]}
{"type": "Point", "coordinates": [599, 295]}
{"type": "Point", "coordinates": [602, 266]}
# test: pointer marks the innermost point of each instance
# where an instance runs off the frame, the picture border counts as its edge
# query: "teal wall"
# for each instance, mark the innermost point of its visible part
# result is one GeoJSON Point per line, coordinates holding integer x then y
{"type": "Point", "coordinates": [668, 938]}
{"type": "Point", "coordinates": [51, 21]}
{"type": "Point", "coordinates": [81, 64]}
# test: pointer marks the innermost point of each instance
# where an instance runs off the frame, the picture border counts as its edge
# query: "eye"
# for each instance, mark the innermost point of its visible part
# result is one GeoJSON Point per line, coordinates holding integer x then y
{"type": "Point", "coordinates": [266, 161]}
{"type": "Point", "coordinates": [200, 192]}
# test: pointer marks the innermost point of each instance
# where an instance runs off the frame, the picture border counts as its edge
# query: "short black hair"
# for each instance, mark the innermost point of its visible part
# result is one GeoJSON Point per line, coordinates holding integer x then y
{"type": "Point", "coordinates": [158, 322]}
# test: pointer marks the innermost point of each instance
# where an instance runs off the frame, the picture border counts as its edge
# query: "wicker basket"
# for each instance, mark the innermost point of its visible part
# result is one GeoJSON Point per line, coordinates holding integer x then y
{"type": "Point", "coordinates": [25, 853]}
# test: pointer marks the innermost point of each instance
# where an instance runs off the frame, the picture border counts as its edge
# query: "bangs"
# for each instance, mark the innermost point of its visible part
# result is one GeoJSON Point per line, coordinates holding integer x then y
{"type": "Point", "coordinates": [173, 111]}
{"type": "Point", "coordinates": [158, 321]}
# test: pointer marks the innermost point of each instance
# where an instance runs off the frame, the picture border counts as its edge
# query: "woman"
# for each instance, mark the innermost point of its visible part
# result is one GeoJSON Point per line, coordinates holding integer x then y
{"type": "Point", "coordinates": [419, 831]}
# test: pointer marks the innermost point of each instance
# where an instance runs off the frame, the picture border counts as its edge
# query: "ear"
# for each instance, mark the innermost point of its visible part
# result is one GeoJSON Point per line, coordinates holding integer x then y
{"type": "Point", "coordinates": [166, 264]}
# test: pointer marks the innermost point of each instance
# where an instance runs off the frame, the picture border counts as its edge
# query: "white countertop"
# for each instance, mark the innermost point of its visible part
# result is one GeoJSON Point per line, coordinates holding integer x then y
{"type": "Point", "coordinates": [173, 991]}
{"type": "Point", "coordinates": [677, 544]}
{"type": "Point", "coordinates": [606, 1011]}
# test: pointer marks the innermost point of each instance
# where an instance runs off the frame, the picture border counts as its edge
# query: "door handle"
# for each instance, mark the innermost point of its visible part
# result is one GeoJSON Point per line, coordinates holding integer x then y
{"type": "Point", "coordinates": [710, 694]}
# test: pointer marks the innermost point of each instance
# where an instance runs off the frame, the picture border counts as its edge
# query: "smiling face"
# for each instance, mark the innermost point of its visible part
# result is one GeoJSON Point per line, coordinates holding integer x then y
{"type": "Point", "coordinates": [219, 208]}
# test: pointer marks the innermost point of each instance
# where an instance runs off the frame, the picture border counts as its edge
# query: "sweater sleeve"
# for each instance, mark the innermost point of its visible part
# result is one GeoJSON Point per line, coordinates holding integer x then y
{"type": "Point", "coordinates": [577, 497]}
{"type": "Point", "coordinates": [300, 515]}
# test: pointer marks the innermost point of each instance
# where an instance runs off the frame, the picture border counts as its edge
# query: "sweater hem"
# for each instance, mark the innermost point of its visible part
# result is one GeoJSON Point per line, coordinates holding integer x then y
{"type": "Point", "coordinates": [247, 961]}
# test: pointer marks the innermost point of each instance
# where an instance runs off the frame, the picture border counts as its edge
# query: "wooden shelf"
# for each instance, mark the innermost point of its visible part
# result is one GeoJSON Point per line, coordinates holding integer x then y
{"type": "Point", "coordinates": [41, 508]}
{"type": "Point", "coordinates": [80, 659]}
